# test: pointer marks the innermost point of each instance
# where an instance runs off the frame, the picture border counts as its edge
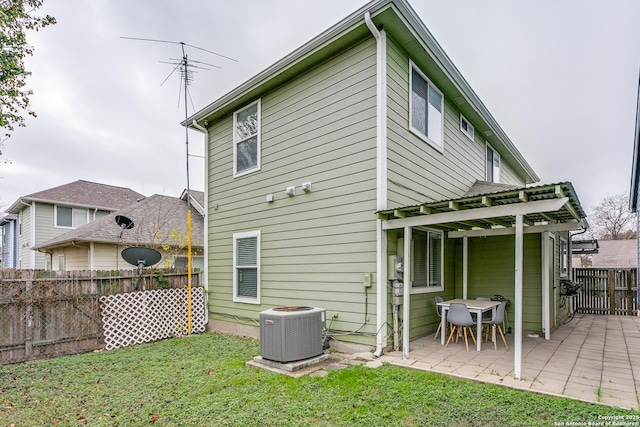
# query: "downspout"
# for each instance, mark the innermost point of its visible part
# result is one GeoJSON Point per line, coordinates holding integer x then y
{"type": "Point", "coordinates": [205, 243]}
{"type": "Point", "coordinates": [381, 180]}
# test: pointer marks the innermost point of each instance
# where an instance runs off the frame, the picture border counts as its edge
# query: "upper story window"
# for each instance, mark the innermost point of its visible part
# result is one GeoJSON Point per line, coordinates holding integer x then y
{"type": "Point", "coordinates": [246, 139]}
{"type": "Point", "coordinates": [427, 261]}
{"type": "Point", "coordinates": [467, 128]}
{"type": "Point", "coordinates": [70, 217]}
{"type": "Point", "coordinates": [246, 267]}
{"type": "Point", "coordinates": [493, 165]}
{"type": "Point", "coordinates": [426, 109]}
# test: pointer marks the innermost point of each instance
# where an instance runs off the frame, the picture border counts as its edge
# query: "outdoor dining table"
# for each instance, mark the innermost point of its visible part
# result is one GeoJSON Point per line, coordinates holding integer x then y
{"type": "Point", "coordinates": [475, 306]}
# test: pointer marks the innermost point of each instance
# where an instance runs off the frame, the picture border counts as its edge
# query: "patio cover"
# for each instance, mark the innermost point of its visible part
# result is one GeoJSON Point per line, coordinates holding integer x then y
{"type": "Point", "coordinates": [489, 210]}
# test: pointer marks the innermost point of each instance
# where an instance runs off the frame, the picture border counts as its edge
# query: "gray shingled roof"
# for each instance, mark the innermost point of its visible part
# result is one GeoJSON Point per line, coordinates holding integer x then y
{"type": "Point", "coordinates": [197, 200]}
{"type": "Point", "coordinates": [84, 193]}
{"type": "Point", "coordinates": [616, 254]}
{"type": "Point", "coordinates": [158, 220]}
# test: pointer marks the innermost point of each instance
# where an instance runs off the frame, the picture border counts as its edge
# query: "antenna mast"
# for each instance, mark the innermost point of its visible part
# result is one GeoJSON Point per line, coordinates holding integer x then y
{"type": "Point", "coordinates": [186, 75]}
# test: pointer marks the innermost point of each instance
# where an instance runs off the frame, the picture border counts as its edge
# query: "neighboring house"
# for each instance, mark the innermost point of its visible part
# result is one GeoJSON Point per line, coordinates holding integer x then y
{"type": "Point", "coordinates": [364, 144]}
{"type": "Point", "coordinates": [159, 222]}
{"type": "Point", "coordinates": [9, 229]}
{"type": "Point", "coordinates": [582, 252]}
{"type": "Point", "coordinates": [616, 254]}
{"type": "Point", "coordinates": [49, 213]}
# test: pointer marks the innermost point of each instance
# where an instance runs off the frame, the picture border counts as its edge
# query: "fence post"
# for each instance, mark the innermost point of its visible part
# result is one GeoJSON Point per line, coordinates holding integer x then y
{"type": "Point", "coordinates": [611, 288]}
{"type": "Point", "coordinates": [28, 333]}
{"type": "Point", "coordinates": [629, 274]}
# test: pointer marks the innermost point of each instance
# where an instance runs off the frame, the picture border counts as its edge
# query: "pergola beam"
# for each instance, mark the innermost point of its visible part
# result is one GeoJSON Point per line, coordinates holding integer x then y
{"type": "Point", "coordinates": [550, 205]}
{"type": "Point", "coordinates": [568, 226]}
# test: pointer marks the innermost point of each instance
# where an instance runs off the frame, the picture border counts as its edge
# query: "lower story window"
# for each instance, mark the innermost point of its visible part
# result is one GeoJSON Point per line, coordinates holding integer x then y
{"type": "Point", "coordinates": [427, 261]}
{"type": "Point", "coordinates": [246, 267]}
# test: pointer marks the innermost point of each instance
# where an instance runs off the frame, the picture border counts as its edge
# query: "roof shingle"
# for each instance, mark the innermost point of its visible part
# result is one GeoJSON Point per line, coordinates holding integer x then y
{"type": "Point", "coordinates": [87, 194]}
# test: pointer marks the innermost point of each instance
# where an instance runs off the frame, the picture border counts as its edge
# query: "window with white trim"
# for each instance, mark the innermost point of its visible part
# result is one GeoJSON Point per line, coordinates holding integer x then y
{"type": "Point", "coordinates": [426, 107]}
{"type": "Point", "coordinates": [428, 261]}
{"type": "Point", "coordinates": [467, 128]}
{"type": "Point", "coordinates": [246, 267]}
{"type": "Point", "coordinates": [246, 139]}
{"type": "Point", "coordinates": [493, 165]}
{"type": "Point", "coordinates": [66, 217]}
{"type": "Point", "coordinates": [564, 258]}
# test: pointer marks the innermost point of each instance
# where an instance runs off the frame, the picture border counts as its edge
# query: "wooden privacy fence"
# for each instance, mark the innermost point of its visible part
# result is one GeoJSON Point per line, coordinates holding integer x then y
{"type": "Point", "coordinates": [606, 290]}
{"type": "Point", "coordinates": [44, 313]}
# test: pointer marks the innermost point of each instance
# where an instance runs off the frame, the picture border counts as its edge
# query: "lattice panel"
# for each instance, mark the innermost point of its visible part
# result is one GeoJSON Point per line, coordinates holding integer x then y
{"type": "Point", "coordinates": [144, 316]}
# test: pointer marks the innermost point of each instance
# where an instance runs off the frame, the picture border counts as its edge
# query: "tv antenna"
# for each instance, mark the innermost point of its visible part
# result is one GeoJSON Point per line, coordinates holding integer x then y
{"type": "Point", "coordinates": [187, 68]}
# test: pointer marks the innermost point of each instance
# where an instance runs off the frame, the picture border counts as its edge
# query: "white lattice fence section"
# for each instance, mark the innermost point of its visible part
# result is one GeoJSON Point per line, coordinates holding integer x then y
{"type": "Point", "coordinates": [144, 316]}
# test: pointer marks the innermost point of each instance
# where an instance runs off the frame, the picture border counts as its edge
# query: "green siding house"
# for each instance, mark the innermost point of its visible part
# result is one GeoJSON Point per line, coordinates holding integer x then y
{"type": "Point", "coordinates": [46, 214]}
{"type": "Point", "coordinates": [159, 222]}
{"type": "Point", "coordinates": [364, 144]}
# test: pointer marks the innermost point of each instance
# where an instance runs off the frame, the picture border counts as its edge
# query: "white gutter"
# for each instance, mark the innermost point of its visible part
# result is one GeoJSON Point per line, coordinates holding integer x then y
{"type": "Point", "coordinates": [205, 243]}
{"type": "Point", "coordinates": [381, 180]}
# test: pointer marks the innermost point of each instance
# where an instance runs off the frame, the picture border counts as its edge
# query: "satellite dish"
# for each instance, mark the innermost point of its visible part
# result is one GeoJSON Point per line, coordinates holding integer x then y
{"type": "Point", "coordinates": [124, 223]}
{"type": "Point", "coordinates": [140, 257]}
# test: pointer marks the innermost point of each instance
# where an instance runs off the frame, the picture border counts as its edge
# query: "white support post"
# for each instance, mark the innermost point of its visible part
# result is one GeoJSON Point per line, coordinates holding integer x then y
{"type": "Point", "coordinates": [546, 267]}
{"type": "Point", "coordinates": [381, 287]}
{"type": "Point", "coordinates": [517, 335]}
{"type": "Point", "coordinates": [465, 265]}
{"type": "Point", "coordinates": [406, 293]}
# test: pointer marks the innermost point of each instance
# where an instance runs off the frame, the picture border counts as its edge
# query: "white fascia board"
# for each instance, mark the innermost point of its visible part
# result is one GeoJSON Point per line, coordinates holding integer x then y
{"type": "Point", "coordinates": [566, 226]}
{"type": "Point", "coordinates": [550, 205]}
{"type": "Point", "coordinates": [341, 28]}
{"type": "Point", "coordinates": [429, 43]}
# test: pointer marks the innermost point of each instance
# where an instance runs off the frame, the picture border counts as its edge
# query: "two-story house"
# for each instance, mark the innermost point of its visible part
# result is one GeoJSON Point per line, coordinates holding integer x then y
{"type": "Point", "coordinates": [159, 222]}
{"type": "Point", "coordinates": [43, 215]}
{"type": "Point", "coordinates": [364, 144]}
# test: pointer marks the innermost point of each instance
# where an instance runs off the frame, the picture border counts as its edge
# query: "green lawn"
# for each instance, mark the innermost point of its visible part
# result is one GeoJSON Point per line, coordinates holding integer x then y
{"type": "Point", "coordinates": [203, 381]}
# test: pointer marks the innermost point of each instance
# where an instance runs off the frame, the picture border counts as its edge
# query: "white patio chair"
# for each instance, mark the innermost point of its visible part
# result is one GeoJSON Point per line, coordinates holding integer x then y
{"type": "Point", "coordinates": [460, 317]}
{"type": "Point", "coordinates": [439, 309]}
{"type": "Point", "coordinates": [494, 323]}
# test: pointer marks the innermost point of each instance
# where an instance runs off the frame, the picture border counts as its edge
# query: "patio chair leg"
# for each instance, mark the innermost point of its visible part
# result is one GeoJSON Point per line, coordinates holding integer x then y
{"type": "Point", "coordinates": [438, 330]}
{"type": "Point", "coordinates": [451, 336]}
{"type": "Point", "coordinates": [502, 335]}
{"type": "Point", "coordinates": [473, 336]}
{"type": "Point", "coordinates": [466, 342]}
{"type": "Point", "coordinates": [493, 337]}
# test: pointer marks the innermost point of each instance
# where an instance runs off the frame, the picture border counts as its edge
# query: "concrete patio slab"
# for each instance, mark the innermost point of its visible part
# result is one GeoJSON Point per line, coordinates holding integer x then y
{"type": "Point", "coordinates": [591, 358]}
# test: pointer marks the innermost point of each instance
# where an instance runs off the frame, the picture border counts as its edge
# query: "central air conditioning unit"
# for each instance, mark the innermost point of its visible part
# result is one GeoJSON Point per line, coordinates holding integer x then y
{"type": "Point", "coordinates": [291, 333]}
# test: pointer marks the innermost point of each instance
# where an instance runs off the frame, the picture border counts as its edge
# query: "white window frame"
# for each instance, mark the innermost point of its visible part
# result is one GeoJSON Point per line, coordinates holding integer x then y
{"type": "Point", "coordinates": [73, 210]}
{"type": "Point", "coordinates": [236, 140]}
{"type": "Point", "coordinates": [438, 145]}
{"type": "Point", "coordinates": [467, 128]}
{"type": "Point", "coordinates": [236, 237]}
{"type": "Point", "coordinates": [495, 175]}
{"type": "Point", "coordinates": [564, 258]}
{"type": "Point", "coordinates": [429, 289]}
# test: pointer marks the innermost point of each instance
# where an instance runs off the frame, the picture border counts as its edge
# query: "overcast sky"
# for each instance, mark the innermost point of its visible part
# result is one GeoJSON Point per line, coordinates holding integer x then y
{"type": "Point", "coordinates": [559, 76]}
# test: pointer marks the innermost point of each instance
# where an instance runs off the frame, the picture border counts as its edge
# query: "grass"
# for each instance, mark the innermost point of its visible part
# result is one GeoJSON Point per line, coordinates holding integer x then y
{"type": "Point", "coordinates": [203, 381]}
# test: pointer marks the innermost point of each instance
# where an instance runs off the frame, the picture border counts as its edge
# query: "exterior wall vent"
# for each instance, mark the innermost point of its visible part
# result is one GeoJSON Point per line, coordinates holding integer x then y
{"type": "Point", "coordinates": [291, 333]}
